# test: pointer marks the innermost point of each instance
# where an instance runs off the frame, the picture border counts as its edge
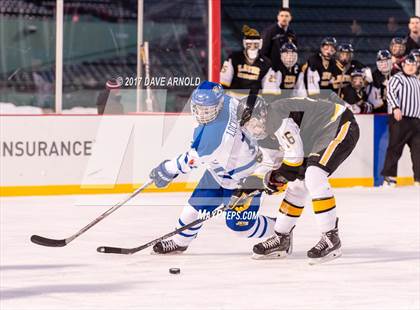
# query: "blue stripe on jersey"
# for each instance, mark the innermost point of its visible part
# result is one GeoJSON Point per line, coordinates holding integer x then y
{"type": "Point", "coordinates": [242, 168]}
{"type": "Point", "coordinates": [265, 227]}
{"type": "Point", "coordinates": [208, 137]}
{"type": "Point", "coordinates": [256, 229]}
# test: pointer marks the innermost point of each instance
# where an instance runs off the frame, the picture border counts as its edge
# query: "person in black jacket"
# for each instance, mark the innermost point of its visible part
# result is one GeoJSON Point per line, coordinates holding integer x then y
{"type": "Point", "coordinates": [276, 35]}
{"type": "Point", "coordinates": [413, 38]}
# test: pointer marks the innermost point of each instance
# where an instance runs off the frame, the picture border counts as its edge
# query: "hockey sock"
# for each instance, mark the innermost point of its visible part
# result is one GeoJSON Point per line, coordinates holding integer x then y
{"type": "Point", "coordinates": [287, 216]}
{"type": "Point", "coordinates": [188, 215]}
{"type": "Point", "coordinates": [323, 201]}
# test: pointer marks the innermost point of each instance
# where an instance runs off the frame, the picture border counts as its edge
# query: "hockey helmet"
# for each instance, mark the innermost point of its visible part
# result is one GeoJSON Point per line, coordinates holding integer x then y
{"type": "Point", "coordinates": [288, 54]}
{"type": "Point", "coordinates": [255, 126]}
{"type": "Point", "coordinates": [345, 53]}
{"type": "Point", "coordinates": [328, 47]}
{"type": "Point", "coordinates": [384, 61]}
{"type": "Point", "coordinates": [357, 79]}
{"type": "Point", "coordinates": [397, 46]}
{"type": "Point", "coordinates": [207, 101]}
{"type": "Point", "coordinates": [252, 42]}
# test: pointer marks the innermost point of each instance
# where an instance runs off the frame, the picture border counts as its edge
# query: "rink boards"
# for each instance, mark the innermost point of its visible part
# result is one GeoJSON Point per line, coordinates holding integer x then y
{"type": "Point", "coordinates": [74, 154]}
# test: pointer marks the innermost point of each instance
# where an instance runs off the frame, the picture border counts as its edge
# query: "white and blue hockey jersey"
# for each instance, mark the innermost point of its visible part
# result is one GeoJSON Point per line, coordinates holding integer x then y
{"type": "Point", "coordinates": [221, 145]}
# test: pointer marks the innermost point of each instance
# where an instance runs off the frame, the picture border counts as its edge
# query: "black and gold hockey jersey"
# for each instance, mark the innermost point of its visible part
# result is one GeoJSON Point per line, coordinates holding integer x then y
{"type": "Point", "coordinates": [315, 121]}
{"type": "Point", "coordinates": [241, 77]}
{"type": "Point", "coordinates": [377, 92]}
{"type": "Point", "coordinates": [341, 75]}
{"type": "Point", "coordinates": [288, 77]}
{"type": "Point", "coordinates": [317, 74]}
{"type": "Point", "coordinates": [356, 99]}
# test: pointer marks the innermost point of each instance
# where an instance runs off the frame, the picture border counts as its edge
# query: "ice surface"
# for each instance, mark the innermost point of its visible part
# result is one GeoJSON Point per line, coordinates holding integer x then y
{"type": "Point", "coordinates": [379, 268]}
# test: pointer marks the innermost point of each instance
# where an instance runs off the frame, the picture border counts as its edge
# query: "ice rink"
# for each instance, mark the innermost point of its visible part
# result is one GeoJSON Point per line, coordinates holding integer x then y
{"type": "Point", "coordinates": [379, 268]}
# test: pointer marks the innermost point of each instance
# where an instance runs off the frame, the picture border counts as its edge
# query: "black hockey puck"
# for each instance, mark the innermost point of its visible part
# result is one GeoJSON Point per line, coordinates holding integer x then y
{"type": "Point", "coordinates": [174, 270]}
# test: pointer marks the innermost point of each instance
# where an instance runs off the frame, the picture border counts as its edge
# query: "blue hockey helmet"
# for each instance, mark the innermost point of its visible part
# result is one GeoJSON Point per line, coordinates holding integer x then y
{"type": "Point", "coordinates": [207, 101]}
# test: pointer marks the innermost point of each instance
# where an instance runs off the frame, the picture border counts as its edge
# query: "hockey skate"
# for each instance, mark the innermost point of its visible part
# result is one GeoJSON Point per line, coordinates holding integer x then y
{"type": "Point", "coordinates": [327, 249]}
{"type": "Point", "coordinates": [168, 247]}
{"type": "Point", "coordinates": [390, 182]}
{"type": "Point", "coordinates": [277, 246]}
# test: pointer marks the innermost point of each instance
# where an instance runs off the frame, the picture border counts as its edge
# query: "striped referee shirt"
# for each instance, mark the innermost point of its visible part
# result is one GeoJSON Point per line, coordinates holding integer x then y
{"type": "Point", "coordinates": [403, 92]}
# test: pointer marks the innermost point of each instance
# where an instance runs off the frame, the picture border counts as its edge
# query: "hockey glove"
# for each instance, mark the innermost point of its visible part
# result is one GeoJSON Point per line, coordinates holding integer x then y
{"type": "Point", "coordinates": [274, 183]}
{"type": "Point", "coordinates": [160, 176]}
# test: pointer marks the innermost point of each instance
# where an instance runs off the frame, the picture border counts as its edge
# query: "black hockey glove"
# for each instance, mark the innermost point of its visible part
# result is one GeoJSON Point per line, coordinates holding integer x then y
{"type": "Point", "coordinates": [274, 182]}
{"type": "Point", "coordinates": [160, 176]}
{"type": "Point", "coordinates": [290, 173]}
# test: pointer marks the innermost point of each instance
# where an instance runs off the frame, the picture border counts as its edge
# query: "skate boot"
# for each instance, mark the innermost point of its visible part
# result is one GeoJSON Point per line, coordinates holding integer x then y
{"type": "Point", "coordinates": [168, 247]}
{"type": "Point", "coordinates": [277, 246]}
{"type": "Point", "coordinates": [390, 182]}
{"type": "Point", "coordinates": [328, 248]}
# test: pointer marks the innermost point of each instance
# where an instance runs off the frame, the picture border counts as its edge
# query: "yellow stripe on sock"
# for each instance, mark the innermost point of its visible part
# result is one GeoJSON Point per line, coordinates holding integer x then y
{"type": "Point", "coordinates": [290, 209]}
{"type": "Point", "coordinates": [323, 204]}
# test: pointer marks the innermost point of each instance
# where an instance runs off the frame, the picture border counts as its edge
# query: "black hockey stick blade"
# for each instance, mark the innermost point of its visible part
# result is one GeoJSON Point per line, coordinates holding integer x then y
{"type": "Point", "coordinates": [48, 242]}
{"type": "Point", "coordinates": [113, 250]}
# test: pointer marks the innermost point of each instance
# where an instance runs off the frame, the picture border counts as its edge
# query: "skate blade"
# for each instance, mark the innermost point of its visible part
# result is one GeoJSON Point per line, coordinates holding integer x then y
{"type": "Point", "coordinates": [331, 256]}
{"type": "Point", "coordinates": [274, 255]}
{"type": "Point", "coordinates": [166, 254]}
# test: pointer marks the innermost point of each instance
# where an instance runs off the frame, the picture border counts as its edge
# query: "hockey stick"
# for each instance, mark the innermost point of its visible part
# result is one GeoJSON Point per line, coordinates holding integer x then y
{"type": "Point", "coordinates": [234, 201]}
{"type": "Point", "coordinates": [63, 242]}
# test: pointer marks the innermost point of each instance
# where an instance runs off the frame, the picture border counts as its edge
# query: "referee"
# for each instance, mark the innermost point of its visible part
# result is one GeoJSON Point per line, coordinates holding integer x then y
{"type": "Point", "coordinates": [403, 95]}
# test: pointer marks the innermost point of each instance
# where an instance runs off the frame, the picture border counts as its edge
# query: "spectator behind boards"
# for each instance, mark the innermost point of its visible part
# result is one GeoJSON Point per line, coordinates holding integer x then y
{"type": "Point", "coordinates": [344, 65]}
{"type": "Point", "coordinates": [413, 38]}
{"type": "Point", "coordinates": [276, 35]}
{"type": "Point", "coordinates": [317, 71]}
{"type": "Point", "coordinates": [247, 71]}
{"type": "Point", "coordinates": [354, 94]}
{"type": "Point", "coordinates": [377, 89]}
{"type": "Point", "coordinates": [397, 48]}
{"type": "Point", "coordinates": [109, 100]}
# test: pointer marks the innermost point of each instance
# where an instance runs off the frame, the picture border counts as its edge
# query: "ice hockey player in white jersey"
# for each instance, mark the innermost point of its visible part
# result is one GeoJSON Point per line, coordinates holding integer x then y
{"type": "Point", "coordinates": [229, 156]}
{"type": "Point", "coordinates": [315, 136]}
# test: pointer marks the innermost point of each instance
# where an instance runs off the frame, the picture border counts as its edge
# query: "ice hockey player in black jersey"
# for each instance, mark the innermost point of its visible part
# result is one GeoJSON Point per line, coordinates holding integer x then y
{"type": "Point", "coordinates": [247, 71]}
{"type": "Point", "coordinates": [416, 53]}
{"type": "Point", "coordinates": [355, 95]}
{"type": "Point", "coordinates": [397, 49]}
{"type": "Point", "coordinates": [377, 89]}
{"type": "Point", "coordinates": [343, 67]}
{"type": "Point", "coordinates": [289, 70]}
{"type": "Point", "coordinates": [316, 137]}
{"type": "Point", "coordinates": [318, 69]}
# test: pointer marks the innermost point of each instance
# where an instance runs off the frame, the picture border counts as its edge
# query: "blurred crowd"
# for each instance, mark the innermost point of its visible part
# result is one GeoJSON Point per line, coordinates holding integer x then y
{"type": "Point", "coordinates": [269, 64]}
